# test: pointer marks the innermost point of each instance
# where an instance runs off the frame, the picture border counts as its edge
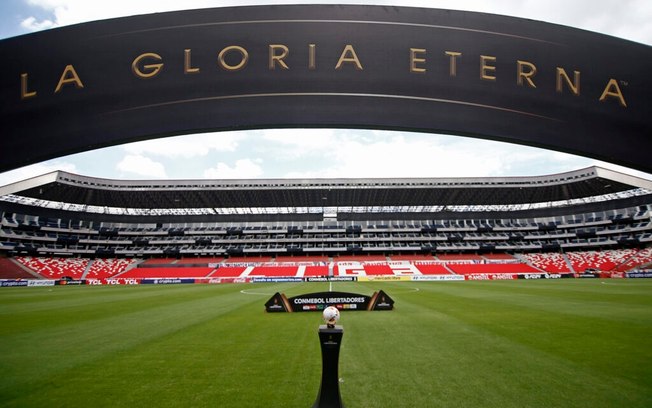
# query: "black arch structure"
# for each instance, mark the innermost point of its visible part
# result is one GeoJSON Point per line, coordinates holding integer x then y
{"type": "Point", "coordinates": [108, 82]}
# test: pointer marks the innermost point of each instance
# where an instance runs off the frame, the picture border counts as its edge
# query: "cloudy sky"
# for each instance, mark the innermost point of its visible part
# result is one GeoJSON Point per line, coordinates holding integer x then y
{"type": "Point", "coordinates": [289, 153]}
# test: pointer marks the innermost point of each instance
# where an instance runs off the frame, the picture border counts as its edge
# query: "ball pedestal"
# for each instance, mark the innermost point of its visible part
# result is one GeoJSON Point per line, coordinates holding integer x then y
{"type": "Point", "coordinates": [330, 339]}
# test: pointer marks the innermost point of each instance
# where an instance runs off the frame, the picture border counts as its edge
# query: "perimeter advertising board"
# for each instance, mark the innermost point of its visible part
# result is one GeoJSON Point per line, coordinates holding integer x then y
{"type": "Point", "coordinates": [108, 82]}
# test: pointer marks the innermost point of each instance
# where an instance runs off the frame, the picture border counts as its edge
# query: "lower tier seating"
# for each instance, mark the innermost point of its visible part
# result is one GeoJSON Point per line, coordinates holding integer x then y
{"type": "Point", "coordinates": [167, 272]}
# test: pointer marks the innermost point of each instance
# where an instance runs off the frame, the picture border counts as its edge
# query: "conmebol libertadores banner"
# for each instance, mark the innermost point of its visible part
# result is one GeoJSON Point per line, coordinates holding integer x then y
{"type": "Point", "coordinates": [311, 302]}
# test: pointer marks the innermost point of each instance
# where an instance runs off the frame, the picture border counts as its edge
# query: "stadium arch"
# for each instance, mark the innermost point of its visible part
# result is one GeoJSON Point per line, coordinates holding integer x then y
{"type": "Point", "coordinates": [108, 82]}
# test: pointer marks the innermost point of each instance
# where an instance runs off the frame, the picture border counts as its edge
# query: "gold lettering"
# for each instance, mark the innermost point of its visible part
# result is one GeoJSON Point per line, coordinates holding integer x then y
{"type": "Point", "coordinates": [274, 58]}
{"type": "Point", "coordinates": [187, 64]}
{"type": "Point", "coordinates": [522, 74]}
{"type": "Point", "coordinates": [349, 55]}
{"type": "Point", "coordinates": [24, 93]}
{"type": "Point", "coordinates": [452, 70]}
{"type": "Point", "coordinates": [312, 48]}
{"type": "Point", "coordinates": [613, 90]}
{"type": "Point", "coordinates": [244, 58]}
{"type": "Point", "coordinates": [414, 60]}
{"type": "Point", "coordinates": [151, 70]}
{"type": "Point", "coordinates": [574, 86]}
{"type": "Point", "coordinates": [68, 76]}
{"type": "Point", "coordinates": [485, 68]}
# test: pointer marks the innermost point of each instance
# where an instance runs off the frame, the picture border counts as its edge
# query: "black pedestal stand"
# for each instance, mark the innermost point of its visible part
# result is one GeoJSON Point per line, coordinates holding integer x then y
{"type": "Point", "coordinates": [329, 391]}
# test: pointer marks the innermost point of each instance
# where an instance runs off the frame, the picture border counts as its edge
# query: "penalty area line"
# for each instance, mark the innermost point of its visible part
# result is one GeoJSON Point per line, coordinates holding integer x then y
{"type": "Point", "coordinates": [249, 292]}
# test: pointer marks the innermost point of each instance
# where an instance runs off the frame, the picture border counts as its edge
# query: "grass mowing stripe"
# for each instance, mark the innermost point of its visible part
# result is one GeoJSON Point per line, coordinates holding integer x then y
{"type": "Point", "coordinates": [225, 361]}
{"type": "Point", "coordinates": [579, 330]}
{"type": "Point", "coordinates": [42, 352]}
{"type": "Point", "coordinates": [447, 344]}
{"type": "Point", "coordinates": [522, 348]}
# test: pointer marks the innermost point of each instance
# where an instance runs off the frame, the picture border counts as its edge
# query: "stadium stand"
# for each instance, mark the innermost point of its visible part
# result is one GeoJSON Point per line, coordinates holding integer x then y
{"type": "Point", "coordinates": [460, 257]}
{"type": "Point", "coordinates": [301, 258]}
{"type": "Point", "coordinates": [56, 268]}
{"type": "Point", "coordinates": [229, 271]}
{"type": "Point", "coordinates": [315, 270]}
{"type": "Point", "coordinates": [378, 269]}
{"type": "Point", "coordinates": [638, 259]}
{"type": "Point", "coordinates": [274, 271]}
{"type": "Point", "coordinates": [9, 269]}
{"type": "Point", "coordinates": [548, 262]}
{"type": "Point", "coordinates": [559, 223]}
{"type": "Point", "coordinates": [412, 257]}
{"type": "Point", "coordinates": [107, 267]}
{"type": "Point", "coordinates": [167, 272]}
{"type": "Point", "coordinates": [490, 268]}
{"type": "Point", "coordinates": [433, 269]}
{"type": "Point", "coordinates": [600, 260]}
{"type": "Point", "coordinates": [496, 257]}
{"type": "Point", "coordinates": [200, 260]}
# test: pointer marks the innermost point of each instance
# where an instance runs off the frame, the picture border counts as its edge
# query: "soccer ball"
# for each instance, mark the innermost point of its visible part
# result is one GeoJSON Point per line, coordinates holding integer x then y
{"type": "Point", "coordinates": [331, 316]}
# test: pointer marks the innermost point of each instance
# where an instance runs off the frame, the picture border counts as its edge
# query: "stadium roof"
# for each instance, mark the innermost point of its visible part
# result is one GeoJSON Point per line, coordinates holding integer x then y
{"type": "Point", "coordinates": [60, 186]}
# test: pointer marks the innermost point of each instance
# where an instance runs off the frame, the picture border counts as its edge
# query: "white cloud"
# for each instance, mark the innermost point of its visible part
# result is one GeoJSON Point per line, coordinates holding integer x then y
{"type": "Point", "coordinates": [31, 24]}
{"type": "Point", "coordinates": [389, 154]}
{"type": "Point", "coordinates": [243, 169]}
{"type": "Point", "coordinates": [630, 19]}
{"type": "Point", "coordinates": [187, 146]}
{"type": "Point", "coordinates": [141, 166]}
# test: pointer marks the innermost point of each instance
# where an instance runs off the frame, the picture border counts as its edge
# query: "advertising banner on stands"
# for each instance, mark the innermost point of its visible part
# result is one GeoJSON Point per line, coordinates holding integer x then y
{"type": "Point", "coordinates": [384, 278]}
{"type": "Point", "coordinates": [12, 283]}
{"type": "Point", "coordinates": [47, 282]}
{"type": "Point", "coordinates": [71, 282]}
{"type": "Point", "coordinates": [545, 275]}
{"type": "Point", "coordinates": [420, 278]}
{"type": "Point", "coordinates": [166, 281]}
{"type": "Point", "coordinates": [491, 276]}
{"type": "Point", "coordinates": [222, 280]}
{"type": "Point", "coordinates": [261, 279]}
{"type": "Point", "coordinates": [120, 281]}
{"type": "Point", "coordinates": [639, 274]}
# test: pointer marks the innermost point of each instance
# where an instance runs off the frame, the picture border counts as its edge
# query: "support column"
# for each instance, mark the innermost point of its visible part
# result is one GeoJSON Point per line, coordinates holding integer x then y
{"type": "Point", "coordinates": [329, 391]}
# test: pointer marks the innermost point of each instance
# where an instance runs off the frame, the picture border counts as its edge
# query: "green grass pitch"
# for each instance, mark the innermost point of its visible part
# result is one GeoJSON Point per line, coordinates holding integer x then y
{"type": "Point", "coordinates": [557, 343]}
